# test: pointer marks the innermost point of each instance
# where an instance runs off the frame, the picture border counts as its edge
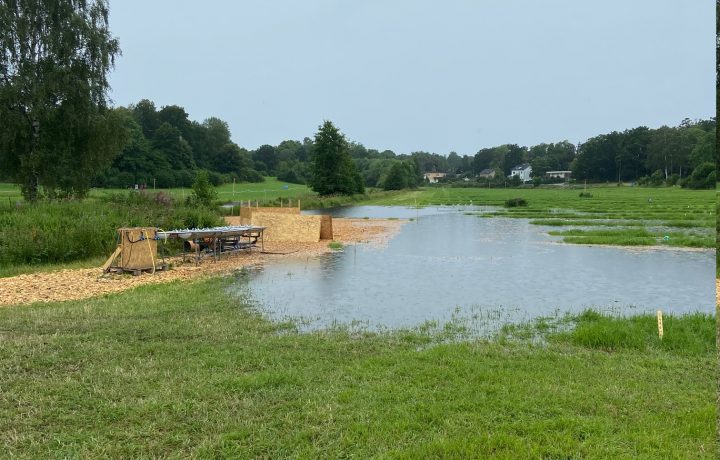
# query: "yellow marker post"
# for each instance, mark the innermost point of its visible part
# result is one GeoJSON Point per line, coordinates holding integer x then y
{"type": "Point", "coordinates": [660, 324]}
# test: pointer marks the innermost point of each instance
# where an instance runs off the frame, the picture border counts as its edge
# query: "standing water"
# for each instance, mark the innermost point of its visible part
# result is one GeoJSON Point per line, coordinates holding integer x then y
{"type": "Point", "coordinates": [447, 263]}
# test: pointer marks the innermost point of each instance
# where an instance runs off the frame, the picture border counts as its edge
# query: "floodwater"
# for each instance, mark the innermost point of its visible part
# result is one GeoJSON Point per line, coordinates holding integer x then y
{"type": "Point", "coordinates": [446, 265]}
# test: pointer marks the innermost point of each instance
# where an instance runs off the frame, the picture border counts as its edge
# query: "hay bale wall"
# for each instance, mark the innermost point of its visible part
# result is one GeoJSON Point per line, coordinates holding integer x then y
{"type": "Point", "coordinates": [246, 213]}
{"type": "Point", "coordinates": [286, 224]}
{"type": "Point", "coordinates": [288, 227]}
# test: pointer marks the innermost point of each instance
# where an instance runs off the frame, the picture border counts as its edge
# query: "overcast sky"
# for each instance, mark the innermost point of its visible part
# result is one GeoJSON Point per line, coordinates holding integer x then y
{"type": "Point", "coordinates": [412, 75]}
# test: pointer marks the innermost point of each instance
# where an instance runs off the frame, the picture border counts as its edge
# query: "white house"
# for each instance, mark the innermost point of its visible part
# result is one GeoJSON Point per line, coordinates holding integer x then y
{"type": "Point", "coordinates": [558, 174]}
{"type": "Point", "coordinates": [433, 177]}
{"type": "Point", "coordinates": [524, 170]}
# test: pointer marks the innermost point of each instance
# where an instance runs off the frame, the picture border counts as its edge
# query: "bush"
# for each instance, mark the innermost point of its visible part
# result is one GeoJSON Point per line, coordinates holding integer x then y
{"type": "Point", "coordinates": [515, 202]}
{"type": "Point", "coordinates": [703, 176]}
{"type": "Point", "coordinates": [585, 195]}
{"type": "Point", "coordinates": [250, 175]}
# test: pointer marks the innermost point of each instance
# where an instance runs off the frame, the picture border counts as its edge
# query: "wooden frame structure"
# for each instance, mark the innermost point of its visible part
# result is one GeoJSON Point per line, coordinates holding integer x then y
{"type": "Point", "coordinates": [217, 241]}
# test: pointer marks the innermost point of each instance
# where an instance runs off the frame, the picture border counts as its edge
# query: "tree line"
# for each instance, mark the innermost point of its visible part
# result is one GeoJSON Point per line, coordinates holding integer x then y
{"type": "Point", "coordinates": [166, 149]}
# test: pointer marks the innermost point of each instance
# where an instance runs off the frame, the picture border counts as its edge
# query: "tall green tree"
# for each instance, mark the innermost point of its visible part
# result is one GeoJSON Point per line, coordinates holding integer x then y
{"type": "Point", "coordinates": [57, 131]}
{"type": "Point", "coordinates": [147, 117]}
{"type": "Point", "coordinates": [334, 171]}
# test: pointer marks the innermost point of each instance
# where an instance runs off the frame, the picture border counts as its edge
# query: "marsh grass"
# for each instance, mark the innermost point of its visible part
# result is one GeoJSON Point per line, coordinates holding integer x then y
{"type": "Point", "coordinates": [182, 370]}
{"type": "Point", "coordinates": [691, 212]}
{"type": "Point", "coordinates": [635, 237]}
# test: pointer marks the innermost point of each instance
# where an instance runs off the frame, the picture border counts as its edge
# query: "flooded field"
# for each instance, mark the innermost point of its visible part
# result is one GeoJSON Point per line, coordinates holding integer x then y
{"type": "Point", "coordinates": [445, 265]}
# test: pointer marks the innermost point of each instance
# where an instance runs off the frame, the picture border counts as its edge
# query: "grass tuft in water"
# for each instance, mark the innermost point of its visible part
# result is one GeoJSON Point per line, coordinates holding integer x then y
{"type": "Point", "coordinates": [335, 245]}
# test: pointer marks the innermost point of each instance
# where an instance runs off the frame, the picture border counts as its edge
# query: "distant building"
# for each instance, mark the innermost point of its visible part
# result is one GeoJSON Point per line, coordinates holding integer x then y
{"type": "Point", "coordinates": [523, 171]}
{"type": "Point", "coordinates": [558, 174]}
{"type": "Point", "coordinates": [487, 173]}
{"type": "Point", "coordinates": [433, 177]}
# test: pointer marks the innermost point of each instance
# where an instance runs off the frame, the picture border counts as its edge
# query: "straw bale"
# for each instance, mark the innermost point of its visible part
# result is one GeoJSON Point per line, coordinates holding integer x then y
{"type": "Point", "coordinates": [326, 227]}
{"type": "Point", "coordinates": [288, 227]}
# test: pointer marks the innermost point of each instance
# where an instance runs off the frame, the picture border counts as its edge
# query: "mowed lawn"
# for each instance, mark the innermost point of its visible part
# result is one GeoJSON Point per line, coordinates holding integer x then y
{"type": "Point", "coordinates": [183, 370]}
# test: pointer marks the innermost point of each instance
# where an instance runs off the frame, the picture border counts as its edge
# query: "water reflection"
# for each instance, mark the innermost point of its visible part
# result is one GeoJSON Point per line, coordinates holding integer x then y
{"type": "Point", "coordinates": [448, 263]}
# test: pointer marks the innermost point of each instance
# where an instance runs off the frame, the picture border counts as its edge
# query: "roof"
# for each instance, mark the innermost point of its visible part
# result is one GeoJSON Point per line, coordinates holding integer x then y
{"type": "Point", "coordinates": [521, 167]}
{"type": "Point", "coordinates": [487, 171]}
{"type": "Point", "coordinates": [435, 174]}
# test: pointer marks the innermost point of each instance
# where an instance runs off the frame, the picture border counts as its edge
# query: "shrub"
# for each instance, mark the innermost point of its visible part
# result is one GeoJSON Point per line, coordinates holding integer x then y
{"type": "Point", "coordinates": [515, 202]}
{"type": "Point", "coordinates": [585, 195]}
{"type": "Point", "coordinates": [203, 191]}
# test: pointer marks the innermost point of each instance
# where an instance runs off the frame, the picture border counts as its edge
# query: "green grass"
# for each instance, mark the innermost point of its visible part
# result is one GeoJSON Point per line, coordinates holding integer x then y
{"type": "Point", "coordinates": [335, 245]}
{"type": "Point", "coordinates": [82, 231]}
{"type": "Point", "coordinates": [9, 193]}
{"type": "Point", "coordinates": [692, 334]}
{"type": "Point", "coordinates": [690, 213]}
{"type": "Point", "coordinates": [269, 190]}
{"type": "Point", "coordinates": [182, 370]}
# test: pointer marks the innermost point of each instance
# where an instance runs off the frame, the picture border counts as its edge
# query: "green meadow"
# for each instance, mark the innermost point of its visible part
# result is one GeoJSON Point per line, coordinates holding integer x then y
{"type": "Point", "coordinates": [627, 216]}
{"type": "Point", "coordinates": [183, 370]}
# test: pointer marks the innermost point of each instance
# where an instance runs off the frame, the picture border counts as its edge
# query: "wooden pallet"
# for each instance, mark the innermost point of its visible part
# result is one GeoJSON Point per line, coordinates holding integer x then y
{"type": "Point", "coordinates": [136, 271]}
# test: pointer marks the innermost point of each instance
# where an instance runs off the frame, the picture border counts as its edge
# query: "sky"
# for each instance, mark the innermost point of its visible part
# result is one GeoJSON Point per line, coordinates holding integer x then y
{"type": "Point", "coordinates": [409, 75]}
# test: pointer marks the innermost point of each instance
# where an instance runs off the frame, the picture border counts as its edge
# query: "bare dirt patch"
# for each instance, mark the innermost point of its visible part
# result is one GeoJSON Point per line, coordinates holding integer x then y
{"type": "Point", "coordinates": [90, 282]}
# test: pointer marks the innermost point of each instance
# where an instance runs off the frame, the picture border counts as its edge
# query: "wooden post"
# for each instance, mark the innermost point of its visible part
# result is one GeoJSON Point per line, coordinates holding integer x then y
{"type": "Point", "coordinates": [660, 324]}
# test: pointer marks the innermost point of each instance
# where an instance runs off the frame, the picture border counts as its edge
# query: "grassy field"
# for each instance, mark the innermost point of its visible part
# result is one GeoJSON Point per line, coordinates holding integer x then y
{"type": "Point", "coordinates": [182, 370]}
{"type": "Point", "coordinates": [269, 190]}
{"type": "Point", "coordinates": [615, 215]}
{"type": "Point", "coordinates": [9, 193]}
